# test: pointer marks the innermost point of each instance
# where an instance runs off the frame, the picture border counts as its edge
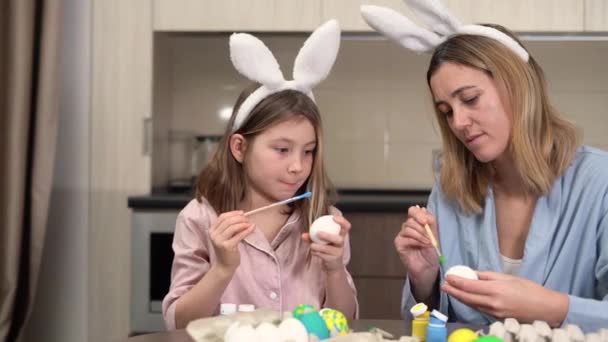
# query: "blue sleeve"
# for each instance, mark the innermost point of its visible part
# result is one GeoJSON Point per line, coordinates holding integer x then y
{"type": "Point", "coordinates": [592, 314]}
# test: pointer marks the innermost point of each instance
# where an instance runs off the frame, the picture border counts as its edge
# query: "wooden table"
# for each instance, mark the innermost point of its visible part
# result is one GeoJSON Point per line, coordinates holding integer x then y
{"type": "Point", "coordinates": [395, 327]}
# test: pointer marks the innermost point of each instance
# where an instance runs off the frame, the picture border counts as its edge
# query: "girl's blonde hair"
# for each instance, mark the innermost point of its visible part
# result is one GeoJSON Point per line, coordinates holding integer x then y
{"type": "Point", "coordinates": [223, 183]}
{"type": "Point", "coordinates": [542, 143]}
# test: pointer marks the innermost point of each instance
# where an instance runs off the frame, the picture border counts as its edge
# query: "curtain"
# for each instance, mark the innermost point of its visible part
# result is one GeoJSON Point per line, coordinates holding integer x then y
{"type": "Point", "coordinates": [29, 104]}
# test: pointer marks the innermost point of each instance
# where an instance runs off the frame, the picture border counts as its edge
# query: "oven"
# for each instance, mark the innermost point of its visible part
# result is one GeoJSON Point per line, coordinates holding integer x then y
{"type": "Point", "coordinates": [151, 260]}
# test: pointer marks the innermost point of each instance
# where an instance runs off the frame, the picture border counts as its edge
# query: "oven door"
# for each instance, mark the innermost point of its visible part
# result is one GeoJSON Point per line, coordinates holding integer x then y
{"type": "Point", "coordinates": [151, 260]}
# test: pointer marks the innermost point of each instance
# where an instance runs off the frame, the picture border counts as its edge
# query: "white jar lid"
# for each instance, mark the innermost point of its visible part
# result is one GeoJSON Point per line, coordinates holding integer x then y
{"type": "Point", "coordinates": [246, 307]}
{"type": "Point", "coordinates": [439, 315]}
{"type": "Point", "coordinates": [227, 308]}
{"type": "Point", "coordinates": [418, 309]}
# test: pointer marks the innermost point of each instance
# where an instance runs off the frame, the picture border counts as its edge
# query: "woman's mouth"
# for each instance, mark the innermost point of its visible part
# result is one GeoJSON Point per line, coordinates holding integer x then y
{"type": "Point", "coordinates": [471, 140]}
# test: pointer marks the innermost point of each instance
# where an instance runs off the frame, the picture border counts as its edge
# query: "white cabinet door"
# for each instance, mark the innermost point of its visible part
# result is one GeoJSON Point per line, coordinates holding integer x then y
{"type": "Point", "coordinates": [517, 15]}
{"type": "Point", "coordinates": [596, 15]}
{"type": "Point", "coordinates": [348, 14]}
{"type": "Point", "coordinates": [120, 105]}
{"type": "Point", "coordinates": [522, 15]}
{"type": "Point", "coordinates": [236, 15]}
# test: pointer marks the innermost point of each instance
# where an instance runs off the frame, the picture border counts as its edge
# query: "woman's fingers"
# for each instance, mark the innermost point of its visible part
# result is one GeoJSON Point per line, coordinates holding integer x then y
{"type": "Point", "coordinates": [470, 298]}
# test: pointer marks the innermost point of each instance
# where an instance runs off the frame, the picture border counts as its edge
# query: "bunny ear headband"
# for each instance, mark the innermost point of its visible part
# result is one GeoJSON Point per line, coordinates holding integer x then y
{"type": "Point", "coordinates": [441, 25]}
{"type": "Point", "coordinates": [254, 60]}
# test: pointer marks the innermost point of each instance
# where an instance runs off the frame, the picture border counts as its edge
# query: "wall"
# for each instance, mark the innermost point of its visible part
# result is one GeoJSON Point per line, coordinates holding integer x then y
{"type": "Point", "coordinates": [60, 308]}
{"type": "Point", "coordinates": [377, 113]}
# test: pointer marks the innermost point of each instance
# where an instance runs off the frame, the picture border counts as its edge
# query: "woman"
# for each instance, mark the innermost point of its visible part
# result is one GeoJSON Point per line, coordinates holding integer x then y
{"type": "Point", "coordinates": [517, 199]}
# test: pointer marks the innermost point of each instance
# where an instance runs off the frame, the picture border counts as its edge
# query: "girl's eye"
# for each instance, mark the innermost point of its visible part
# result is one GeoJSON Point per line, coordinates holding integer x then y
{"type": "Point", "coordinates": [309, 151]}
{"type": "Point", "coordinates": [448, 113]}
{"type": "Point", "coordinates": [282, 149]}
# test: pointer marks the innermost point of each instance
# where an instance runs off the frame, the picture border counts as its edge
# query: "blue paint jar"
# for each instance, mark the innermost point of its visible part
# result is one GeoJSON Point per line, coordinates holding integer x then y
{"type": "Point", "coordinates": [437, 330]}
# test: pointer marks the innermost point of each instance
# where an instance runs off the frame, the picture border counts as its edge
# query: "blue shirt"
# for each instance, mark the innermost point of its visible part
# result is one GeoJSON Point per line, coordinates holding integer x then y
{"type": "Point", "coordinates": [566, 249]}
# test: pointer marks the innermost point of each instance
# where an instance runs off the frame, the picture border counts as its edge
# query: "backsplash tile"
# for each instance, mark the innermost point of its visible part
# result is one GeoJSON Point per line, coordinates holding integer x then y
{"type": "Point", "coordinates": [379, 123]}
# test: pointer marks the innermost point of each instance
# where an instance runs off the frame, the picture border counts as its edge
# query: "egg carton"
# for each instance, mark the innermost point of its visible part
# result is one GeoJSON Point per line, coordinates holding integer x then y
{"type": "Point", "coordinates": [539, 331]}
{"type": "Point", "coordinates": [252, 326]}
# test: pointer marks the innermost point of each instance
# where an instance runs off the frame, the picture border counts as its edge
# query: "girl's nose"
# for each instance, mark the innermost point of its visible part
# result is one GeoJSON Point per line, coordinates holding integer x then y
{"type": "Point", "coordinates": [295, 165]}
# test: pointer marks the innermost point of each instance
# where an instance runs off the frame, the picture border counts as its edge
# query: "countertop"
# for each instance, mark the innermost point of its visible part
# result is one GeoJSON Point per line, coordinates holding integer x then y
{"type": "Point", "coordinates": [347, 201]}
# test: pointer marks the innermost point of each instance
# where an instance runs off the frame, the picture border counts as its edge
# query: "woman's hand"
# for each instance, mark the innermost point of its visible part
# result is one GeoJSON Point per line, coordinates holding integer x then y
{"type": "Point", "coordinates": [331, 254]}
{"type": "Point", "coordinates": [414, 246]}
{"type": "Point", "coordinates": [504, 296]}
{"type": "Point", "coordinates": [226, 234]}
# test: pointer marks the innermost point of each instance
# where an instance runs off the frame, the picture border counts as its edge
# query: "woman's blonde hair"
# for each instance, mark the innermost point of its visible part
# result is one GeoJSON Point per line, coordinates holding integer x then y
{"type": "Point", "coordinates": [223, 183]}
{"type": "Point", "coordinates": [542, 143]}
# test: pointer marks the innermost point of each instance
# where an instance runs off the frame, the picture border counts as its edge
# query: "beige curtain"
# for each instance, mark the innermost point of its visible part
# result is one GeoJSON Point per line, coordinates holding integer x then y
{"type": "Point", "coordinates": [29, 46]}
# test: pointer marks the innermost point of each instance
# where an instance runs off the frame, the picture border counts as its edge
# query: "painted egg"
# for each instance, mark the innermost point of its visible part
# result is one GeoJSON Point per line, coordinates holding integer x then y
{"type": "Point", "coordinates": [315, 324]}
{"type": "Point", "coordinates": [489, 339]}
{"type": "Point", "coordinates": [462, 335]}
{"type": "Point", "coordinates": [323, 224]}
{"type": "Point", "coordinates": [302, 309]}
{"type": "Point", "coordinates": [462, 271]}
{"type": "Point", "coordinates": [336, 322]}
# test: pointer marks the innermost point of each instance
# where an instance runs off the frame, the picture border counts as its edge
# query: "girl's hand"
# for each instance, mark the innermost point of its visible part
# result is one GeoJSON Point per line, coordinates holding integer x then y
{"type": "Point", "coordinates": [226, 234]}
{"type": "Point", "coordinates": [414, 246]}
{"type": "Point", "coordinates": [331, 254]}
{"type": "Point", "coordinates": [504, 296]}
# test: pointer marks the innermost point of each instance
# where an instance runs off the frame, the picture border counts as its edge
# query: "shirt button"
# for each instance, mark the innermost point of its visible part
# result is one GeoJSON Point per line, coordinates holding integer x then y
{"type": "Point", "coordinates": [273, 295]}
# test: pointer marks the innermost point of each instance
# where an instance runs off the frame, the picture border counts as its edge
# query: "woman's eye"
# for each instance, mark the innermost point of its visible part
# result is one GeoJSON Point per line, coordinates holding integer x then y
{"type": "Point", "coordinates": [448, 113]}
{"type": "Point", "coordinates": [282, 149]}
{"type": "Point", "coordinates": [309, 151]}
{"type": "Point", "coordinates": [471, 100]}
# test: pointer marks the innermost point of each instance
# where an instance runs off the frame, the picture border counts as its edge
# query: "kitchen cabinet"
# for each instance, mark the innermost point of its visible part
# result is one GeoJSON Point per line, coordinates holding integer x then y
{"type": "Point", "coordinates": [518, 15]}
{"type": "Point", "coordinates": [596, 15]}
{"type": "Point", "coordinates": [236, 15]}
{"type": "Point", "coordinates": [121, 54]}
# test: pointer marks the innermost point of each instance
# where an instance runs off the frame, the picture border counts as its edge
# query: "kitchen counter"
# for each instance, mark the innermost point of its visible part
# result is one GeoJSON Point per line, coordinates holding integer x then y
{"type": "Point", "coordinates": [347, 201]}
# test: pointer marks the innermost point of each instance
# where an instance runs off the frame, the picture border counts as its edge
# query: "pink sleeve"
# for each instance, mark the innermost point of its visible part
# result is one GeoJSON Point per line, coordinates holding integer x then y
{"type": "Point", "coordinates": [346, 260]}
{"type": "Point", "coordinates": [191, 260]}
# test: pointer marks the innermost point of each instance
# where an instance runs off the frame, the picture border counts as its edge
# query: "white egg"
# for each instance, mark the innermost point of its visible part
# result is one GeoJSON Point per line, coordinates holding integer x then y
{"type": "Point", "coordinates": [293, 330]}
{"type": "Point", "coordinates": [231, 330]}
{"type": "Point", "coordinates": [241, 333]}
{"type": "Point", "coordinates": [324, 224]}
{"type": "Point", "coordinates": [462, 271]}
{"type": "Point", "coordinates": [268, 332]}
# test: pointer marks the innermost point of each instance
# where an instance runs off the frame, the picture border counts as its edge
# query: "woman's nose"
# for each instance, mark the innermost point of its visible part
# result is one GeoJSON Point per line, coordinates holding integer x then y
{"type": "Point", "coordinates": [460, 119]}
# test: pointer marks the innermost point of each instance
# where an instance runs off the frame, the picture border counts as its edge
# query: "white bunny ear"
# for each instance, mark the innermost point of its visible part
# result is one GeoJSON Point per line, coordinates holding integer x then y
{"type": "Point", "coordinates": [399, 28]}
{"type": "Point", "coordinates": [252, 58]}
{"type": "Point", "coordinates": [317, 56]}
{"type": "Point", "coordinates": [435, 16]}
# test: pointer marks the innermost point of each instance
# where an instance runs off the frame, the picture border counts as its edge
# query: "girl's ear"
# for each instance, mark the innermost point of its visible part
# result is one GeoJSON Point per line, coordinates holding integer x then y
{"type": "Point", "coordinates": [238, 145]}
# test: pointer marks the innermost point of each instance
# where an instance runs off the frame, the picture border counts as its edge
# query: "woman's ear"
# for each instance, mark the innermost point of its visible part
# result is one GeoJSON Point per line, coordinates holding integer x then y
{"type": "Point", "coordinates": [238, 146]}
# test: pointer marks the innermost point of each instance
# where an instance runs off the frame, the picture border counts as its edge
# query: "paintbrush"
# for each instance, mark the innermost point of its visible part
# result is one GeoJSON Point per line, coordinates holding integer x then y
{"type": "Point", "coordinates": [289, 200]}
{"type": "Point", "coordinates": [429, 232]}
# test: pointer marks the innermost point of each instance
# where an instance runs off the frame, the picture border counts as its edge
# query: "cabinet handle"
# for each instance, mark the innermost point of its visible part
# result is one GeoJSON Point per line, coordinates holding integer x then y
{"type": "Point", "coordinates": [147, 136]}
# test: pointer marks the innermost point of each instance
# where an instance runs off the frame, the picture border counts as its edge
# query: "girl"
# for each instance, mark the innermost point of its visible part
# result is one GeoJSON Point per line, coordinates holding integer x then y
{"type": "Point", "coordinates": [272, 150]}
{"type": "Point", "coordinates": [517, 199]}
